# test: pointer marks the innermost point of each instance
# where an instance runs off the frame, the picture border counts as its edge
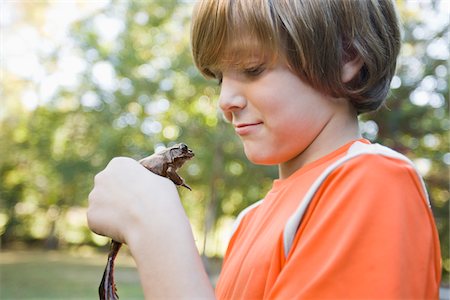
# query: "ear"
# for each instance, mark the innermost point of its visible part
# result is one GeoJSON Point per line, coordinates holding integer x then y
{"type": "Point", "coordinates": [351, 68]}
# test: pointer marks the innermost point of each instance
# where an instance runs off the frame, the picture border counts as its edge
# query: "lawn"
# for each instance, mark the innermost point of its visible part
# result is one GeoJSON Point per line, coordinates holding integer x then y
{"type": "Point", "coordinates": [63, 275]}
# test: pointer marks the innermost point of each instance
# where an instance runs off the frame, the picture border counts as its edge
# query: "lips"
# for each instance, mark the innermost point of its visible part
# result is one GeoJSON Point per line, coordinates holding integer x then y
{"type": "Point", "coordinates": [246, 128]}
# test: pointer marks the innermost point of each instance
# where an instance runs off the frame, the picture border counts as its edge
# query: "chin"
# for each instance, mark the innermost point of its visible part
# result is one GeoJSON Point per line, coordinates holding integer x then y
{"type": "Point", "coordinates": [260, 158]}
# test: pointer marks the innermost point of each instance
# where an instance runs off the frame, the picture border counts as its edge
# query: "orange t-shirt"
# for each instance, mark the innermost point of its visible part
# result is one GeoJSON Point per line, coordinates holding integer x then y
{"type": "Point", "coordinates": [368, 233]}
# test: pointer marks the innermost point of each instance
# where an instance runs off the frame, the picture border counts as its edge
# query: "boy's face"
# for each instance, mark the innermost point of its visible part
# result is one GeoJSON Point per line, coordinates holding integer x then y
{"type": "Point", "coordinates": [276, 115]}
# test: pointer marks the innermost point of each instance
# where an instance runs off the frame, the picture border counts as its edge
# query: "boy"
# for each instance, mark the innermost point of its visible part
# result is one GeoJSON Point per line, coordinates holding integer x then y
{"type": "Point", "coordinates": [345, 219]}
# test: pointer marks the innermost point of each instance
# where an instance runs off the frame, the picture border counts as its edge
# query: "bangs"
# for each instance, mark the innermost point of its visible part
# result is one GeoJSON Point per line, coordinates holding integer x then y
{"type": "Point", "coordinates": [228, 32]}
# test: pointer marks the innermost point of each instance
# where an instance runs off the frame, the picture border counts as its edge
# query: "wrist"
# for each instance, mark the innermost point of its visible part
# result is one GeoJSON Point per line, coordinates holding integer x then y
{"type": "Point", "coordinates": [166, 255]}
{"type": "Point", "coordinates": [153, 212]}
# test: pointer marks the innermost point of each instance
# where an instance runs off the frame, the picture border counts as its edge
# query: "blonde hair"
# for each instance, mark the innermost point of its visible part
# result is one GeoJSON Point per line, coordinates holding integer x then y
{"type": "Point", "coordinates": [317, 37]}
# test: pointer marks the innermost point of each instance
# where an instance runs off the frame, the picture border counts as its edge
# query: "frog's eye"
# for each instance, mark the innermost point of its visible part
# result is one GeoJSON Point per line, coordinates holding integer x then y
{"type": "Point", "coordinates": [184, 147]}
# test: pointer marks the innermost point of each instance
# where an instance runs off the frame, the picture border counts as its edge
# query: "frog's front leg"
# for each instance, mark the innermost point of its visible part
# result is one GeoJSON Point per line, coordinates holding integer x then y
{"type": "Point", "coordinates": [172, 175]}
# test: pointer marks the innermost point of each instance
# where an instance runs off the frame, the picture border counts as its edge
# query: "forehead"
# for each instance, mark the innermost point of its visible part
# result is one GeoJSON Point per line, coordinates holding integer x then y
{"type": "Point", "coordinates": [235, 53]}
{"type": "Point", "coordinates": [228, 31]}
{"type": "Point", "coordinates": [241, 53]}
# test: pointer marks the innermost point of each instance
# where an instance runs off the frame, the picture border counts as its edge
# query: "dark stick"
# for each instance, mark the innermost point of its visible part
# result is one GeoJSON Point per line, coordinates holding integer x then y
{"type": "Point", "coordinates": [107, 289]}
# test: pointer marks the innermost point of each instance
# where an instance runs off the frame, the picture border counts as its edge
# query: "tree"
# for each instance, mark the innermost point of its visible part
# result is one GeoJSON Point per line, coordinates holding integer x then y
{"type": "Point", "coordinates": [133, 89]}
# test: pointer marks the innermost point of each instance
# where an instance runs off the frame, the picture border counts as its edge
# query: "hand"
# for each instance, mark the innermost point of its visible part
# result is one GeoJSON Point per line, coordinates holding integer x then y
{"type": "Point", "coordinates": [135, 206]}
{"type": "Point", "coordinates": [127, 197]}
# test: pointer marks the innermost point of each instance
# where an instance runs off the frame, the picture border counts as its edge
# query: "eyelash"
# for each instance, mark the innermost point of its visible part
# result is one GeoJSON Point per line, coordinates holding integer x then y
{"type": "Point", "coordinates": [254, 71]}
{"type": "Point", "coordinates": [219, 79]}
{"type": "Point", "coordinates": [248, 72]}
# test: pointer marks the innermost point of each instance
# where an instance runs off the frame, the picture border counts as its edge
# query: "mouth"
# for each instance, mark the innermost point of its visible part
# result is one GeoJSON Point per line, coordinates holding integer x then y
{"type": "Point", "coordinates": [246, 128]}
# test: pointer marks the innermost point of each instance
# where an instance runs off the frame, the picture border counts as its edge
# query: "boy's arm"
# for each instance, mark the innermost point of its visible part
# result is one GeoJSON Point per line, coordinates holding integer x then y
{"type": "Point", "coordinates": [131, 205]}
{"type": "Point", "coordinates": [168, 262]}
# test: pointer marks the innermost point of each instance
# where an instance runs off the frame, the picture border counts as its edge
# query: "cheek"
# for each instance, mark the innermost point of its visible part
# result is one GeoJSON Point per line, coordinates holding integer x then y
{"type": "Point", "coordinates": [285, 137]}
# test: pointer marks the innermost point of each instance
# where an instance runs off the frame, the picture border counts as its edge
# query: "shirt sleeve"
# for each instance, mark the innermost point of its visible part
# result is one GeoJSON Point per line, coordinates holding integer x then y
{"type": "Point", "coordinates": [368, 233]}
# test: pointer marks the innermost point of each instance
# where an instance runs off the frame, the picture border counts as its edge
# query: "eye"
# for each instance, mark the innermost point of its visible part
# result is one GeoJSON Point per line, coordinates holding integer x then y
{"type": "Point", "coordinates": [218, 76]}
{"type": "Point", "coordinates": [254, 71]}
{"type": "Point", "coordinates": [184, 147]}
{"type": "Point", "coordinates": [215, 73]}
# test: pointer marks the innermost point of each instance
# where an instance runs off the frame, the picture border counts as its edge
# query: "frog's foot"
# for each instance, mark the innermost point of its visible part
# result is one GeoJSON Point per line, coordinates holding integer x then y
{"type": "Point", "coordinates": [186, 186]}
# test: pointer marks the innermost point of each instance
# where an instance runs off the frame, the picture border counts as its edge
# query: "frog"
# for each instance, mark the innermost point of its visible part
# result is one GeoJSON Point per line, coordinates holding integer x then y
{"type": "Point", "coordinates": [164, 163]}
{"type": "Point", "coordinates": [167, 162]}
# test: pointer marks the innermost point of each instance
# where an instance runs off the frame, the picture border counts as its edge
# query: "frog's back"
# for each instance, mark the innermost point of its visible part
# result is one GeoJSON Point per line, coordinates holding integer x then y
{"type": "Point", "coordinates": [155, 163]}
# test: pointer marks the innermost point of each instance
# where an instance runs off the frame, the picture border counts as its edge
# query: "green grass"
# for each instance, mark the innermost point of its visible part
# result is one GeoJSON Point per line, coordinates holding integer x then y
{"type": "Point", "coordinates": [58, 275]}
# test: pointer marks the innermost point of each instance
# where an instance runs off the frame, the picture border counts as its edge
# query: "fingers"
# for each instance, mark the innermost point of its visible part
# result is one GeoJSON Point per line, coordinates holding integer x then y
{"type": "Point", "coordinates": [125, 195]}
{"type": "Point", "coordinates": [105, 207]}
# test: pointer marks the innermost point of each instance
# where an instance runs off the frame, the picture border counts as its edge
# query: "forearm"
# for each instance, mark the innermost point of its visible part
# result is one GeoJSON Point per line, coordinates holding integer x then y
{"type": "Point", "coordinates": [168, 261]}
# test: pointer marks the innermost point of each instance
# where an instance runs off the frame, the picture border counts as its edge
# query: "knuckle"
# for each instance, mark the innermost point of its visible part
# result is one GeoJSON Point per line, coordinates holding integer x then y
{"type": "Point", "coordinates": [90, 219]}
{"type": "Point", "coordinates": [92, 222]}
{"type": "Point", "coordinates": [118, 160]}
{"type": "Point", "coordinates": [115, 160]}
{"type": "Point", "coordinates": [91, 196]}
{"type": "Point", "coordinates": [97, 177]}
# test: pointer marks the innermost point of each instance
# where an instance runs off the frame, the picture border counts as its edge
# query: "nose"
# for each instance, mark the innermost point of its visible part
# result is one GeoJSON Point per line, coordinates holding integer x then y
{"type": "Point", "coordinates": [231, 98]}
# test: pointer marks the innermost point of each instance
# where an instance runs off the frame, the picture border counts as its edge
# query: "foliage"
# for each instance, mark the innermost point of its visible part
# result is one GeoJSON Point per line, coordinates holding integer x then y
{"type": "Point", "coordinates": [415, 120]}
{"type": "Point", "coordinates": [136, 90]}
{"type": "Point", "coordinates": [61, 275]}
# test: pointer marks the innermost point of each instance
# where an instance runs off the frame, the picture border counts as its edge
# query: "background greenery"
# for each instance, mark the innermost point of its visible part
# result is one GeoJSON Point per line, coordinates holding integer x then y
{"type": "Point", "coordinates": [62, 275]}
{"type": "Point", "coordinates": [122, 83]}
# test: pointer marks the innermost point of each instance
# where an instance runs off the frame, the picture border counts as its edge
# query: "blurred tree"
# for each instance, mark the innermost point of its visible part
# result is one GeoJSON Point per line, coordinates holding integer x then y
{"type": "Point", "coordinates": [415, 119]}
{"type": "Point", "coordinates": [157, 98]}
{"type": "Point", "coordinates": [139, 91]}
{"type": "Point", "coordinates": [135, 90]}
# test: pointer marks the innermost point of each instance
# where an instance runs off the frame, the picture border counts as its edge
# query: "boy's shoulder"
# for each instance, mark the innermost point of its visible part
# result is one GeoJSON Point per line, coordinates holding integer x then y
{"type": "Point", "coordinates": [377, 159]}
{"type": "Point", "coordinates": [359, 148]}
{"type": "Point", "coordinates": [366, 171]}
{"type": "Point", "coordinates": [376, 163]}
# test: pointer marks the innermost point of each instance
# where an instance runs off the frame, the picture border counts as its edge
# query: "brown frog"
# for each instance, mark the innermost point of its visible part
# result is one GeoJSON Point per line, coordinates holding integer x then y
{"type": "Point", "coordinates": [165, 163]}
